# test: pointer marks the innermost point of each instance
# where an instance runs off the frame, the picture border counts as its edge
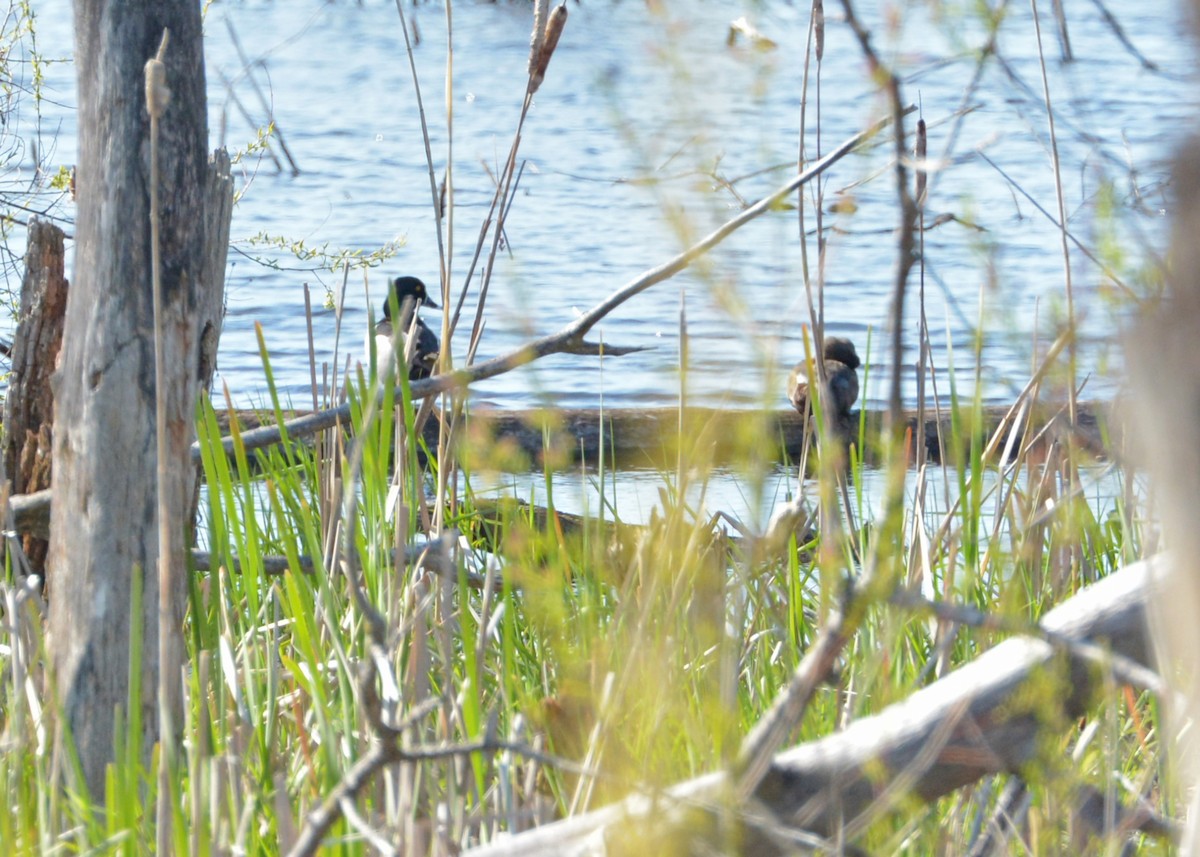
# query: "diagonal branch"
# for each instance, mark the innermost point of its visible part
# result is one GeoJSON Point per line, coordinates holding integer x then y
{"type": "Point", "coordinates": [569, 339]}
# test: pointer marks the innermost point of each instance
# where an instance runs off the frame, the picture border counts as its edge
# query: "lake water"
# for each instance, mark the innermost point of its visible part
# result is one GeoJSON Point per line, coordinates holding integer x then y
{"type": "Point", "coordinates": [632, 495]}
{"type": "Point", "coordinates": [641, 117]}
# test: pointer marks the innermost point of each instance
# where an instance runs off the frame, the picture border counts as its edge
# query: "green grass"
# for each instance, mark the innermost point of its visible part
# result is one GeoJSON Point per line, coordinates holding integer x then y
{"type": "Point", "coordinates": [645, 658]}
{"type": "Point", "coordinates": [624, 657]}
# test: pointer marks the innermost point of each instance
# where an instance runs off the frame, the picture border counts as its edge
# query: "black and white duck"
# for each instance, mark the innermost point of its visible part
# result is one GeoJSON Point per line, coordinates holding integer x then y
{"type": "Point", "coordinates": [411, 295]}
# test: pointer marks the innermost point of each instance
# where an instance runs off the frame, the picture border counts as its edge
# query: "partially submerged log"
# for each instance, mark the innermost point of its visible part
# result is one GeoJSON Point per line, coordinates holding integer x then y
{"type": "Point", "coordinates": [649, 437]}
{"type": "Point", "coordinates": [634, 437]}
{"type": "Point", "coordinates": [968, 725]}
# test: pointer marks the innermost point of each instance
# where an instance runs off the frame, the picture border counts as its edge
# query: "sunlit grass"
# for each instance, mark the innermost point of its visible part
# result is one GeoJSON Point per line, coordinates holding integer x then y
{"type": "Point", "coordinates": [620, 656]}
{"type": "Point", "coordinates": [643, 653]}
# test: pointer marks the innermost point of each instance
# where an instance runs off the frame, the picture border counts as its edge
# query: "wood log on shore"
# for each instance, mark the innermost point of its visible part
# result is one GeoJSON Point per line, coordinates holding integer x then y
{"type": "Point", "coordinates": [961, 728]}
{"type": "Point", "coordinates": [649, 437]}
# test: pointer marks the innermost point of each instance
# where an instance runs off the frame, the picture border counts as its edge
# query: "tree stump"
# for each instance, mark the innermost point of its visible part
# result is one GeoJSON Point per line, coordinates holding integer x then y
{"type": "Point", "coordinates": [29, 407]}
{"type": "Point", "coordinates": [104, 542]}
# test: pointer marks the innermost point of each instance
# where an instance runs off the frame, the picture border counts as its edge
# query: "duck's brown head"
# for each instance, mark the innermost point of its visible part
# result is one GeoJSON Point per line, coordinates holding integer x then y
{"type": "Point", "coordinates": [842, 350]}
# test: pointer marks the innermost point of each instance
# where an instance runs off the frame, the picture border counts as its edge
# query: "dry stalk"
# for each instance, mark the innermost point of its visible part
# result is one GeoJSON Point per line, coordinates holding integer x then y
{"type": "Point", "coordinates": [264, 103]}
{"type": "Point", "coordinates": [158, 95]}
{"type": "Point", "coordinates": [505, 185]}
{"type": "Point", "coordinates": [771, 731]}
{"type": "Point", "coordinates": [1062, 213]}
{"type": "Point", "coordinates": [387, 749]}
{"type": "Point", "coordinates": [1108, 271]}
{"type": "Point", "coordinates": [908, 211]}
{"type": "Point", "coordinates": [433, 186]}
{"type": "Point", "coordinates": [922, 189]}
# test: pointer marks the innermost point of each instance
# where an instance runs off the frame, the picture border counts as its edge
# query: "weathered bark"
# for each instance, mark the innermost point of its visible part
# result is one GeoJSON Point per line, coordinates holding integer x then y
{"type": "Point", "coordinates": [210, 310]}
{"type": "Point", "coordinates": [103, 532]}
{"type": "Point", "coordinates": [970, 724]}
{"type": "Point", "coordinates": [29, 405]}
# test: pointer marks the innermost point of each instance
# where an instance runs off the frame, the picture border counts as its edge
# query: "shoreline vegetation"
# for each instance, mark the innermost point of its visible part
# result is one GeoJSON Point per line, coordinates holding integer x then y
{"type": "Point", "coordinates": [378, 660]}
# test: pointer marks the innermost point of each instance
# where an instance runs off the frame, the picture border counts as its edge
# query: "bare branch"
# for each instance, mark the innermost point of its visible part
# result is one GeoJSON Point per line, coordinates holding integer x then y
{"type": "Point", "coordinates": [908, 209]}
{"type": "Point", "coordinates": [569, 338]}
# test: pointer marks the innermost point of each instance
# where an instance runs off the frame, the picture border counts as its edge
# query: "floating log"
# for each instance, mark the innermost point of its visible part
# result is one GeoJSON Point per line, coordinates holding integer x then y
{"type": "Point", "coordinates": [650, 437]}
{"type": "Point", "coordinates": [647, 437]}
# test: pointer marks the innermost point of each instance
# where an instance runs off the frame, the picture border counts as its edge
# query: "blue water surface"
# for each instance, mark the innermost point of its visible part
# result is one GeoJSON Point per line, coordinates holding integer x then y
{"type": "Point", "coordinates": [651, 130]}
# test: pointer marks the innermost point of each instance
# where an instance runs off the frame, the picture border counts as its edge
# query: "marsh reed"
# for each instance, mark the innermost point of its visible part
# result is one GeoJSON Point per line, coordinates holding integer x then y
{"type": "Point", "coordinates": [452, 672]}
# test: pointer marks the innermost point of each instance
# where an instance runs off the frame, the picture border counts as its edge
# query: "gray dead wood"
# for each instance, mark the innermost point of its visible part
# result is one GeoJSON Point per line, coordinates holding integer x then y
{"type": "Point", "coordinates": [648, 437]}
{"type": "Point", "coordinates": [968, 725]}
{"type": "Point", "coordinates": [103, 539]}
{"type": "Point", "coordinates": [645, 437]}
{"type": "Point", "coordinates": [29, 404]}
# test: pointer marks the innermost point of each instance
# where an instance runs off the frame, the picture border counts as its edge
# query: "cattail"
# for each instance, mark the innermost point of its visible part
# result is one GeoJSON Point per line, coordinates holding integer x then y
{"type": "Point", "coordinates": [819, 27]}
{"type": "Point", "coordinates": [921, 172]}
{"type": "Point", "coordinates": [158, 94]}
{"type": "Point", "coordinates": [538, 37]}
{"type": "Point", "coordinates": [554, 28]}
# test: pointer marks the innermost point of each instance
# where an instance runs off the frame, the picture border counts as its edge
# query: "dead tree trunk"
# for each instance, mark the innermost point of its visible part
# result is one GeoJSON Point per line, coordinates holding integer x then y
{"type": "Point", "coordinates": [29, 405]}
{"type": "Point", "coordinates": [103, 539]}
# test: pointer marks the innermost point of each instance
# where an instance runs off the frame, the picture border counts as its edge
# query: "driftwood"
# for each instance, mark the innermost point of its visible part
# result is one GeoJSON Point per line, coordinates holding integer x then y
{"type": "Point", "coordinates": [29, 404]}
{"type": "Point", "coordinates": [647, 437]}
{"type": "Point", "coordinates": [968, 725]}
{"type": "Point", "coordinates": [635, 437]}
{"type": "Point", "coordinates": [31, 514]}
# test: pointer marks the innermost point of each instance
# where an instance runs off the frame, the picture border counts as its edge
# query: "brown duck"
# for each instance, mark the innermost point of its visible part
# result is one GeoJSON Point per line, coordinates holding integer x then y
{"type": "Point", "coordinates": [841, 390]}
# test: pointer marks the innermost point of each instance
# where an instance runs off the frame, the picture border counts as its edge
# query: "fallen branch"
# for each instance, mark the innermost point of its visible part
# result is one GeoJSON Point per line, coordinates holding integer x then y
{"type": "Point", "coordinates": [643, 437]}
{"type": "Point", "coordinates": [632, 434]}
{"type": "Point", "coordinates": [973, 718]}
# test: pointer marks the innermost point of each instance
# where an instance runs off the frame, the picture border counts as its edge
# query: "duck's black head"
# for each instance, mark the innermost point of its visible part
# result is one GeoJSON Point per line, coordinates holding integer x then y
{"type": "Point", "coordinates": [842, 350]}
{"type": "Point", "coordinates": [408, 287]}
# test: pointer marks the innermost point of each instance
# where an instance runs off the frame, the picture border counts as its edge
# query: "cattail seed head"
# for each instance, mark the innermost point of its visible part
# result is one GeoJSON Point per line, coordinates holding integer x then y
{"type": "Point", "coordinates": [158, 94]}
{"type": "Point", "coordinates": [554, 28]}
{"type": "Point", "coordinates": [538, 37]}
{"type": "Point", "coordinates": [921, 171]}
{"type": "Point", "coordinates": [819, 27]}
